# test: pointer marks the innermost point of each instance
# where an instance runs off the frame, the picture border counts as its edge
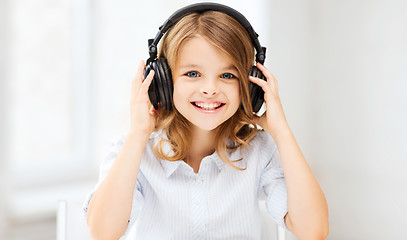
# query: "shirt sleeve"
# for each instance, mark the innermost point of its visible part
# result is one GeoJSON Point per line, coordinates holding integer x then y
{"type": "Point", "coordinates": [272, 180]}
{"type": "Point", "coordinates": [103, 170]}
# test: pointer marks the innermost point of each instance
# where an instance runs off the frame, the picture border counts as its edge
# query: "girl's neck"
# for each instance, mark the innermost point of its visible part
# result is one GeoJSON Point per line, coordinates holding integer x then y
{"type": "Point", "coordinates": [203, 144]}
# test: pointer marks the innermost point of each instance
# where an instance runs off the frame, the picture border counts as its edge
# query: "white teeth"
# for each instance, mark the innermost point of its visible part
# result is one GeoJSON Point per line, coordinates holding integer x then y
{"type": "Point", "coordinates": [207, 106]}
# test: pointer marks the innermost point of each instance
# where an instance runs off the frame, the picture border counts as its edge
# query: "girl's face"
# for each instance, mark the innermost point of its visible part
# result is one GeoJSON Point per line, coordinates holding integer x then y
{"type": "Point", "coordinates": [206, 87]}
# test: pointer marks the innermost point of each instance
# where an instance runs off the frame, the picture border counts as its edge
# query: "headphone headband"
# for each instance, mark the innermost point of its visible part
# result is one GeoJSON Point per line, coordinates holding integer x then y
{"type": "Point", "coordinates": [203, 7]}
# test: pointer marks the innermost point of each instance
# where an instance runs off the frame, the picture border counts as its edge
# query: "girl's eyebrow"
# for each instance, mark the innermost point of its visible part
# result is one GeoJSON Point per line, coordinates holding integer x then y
{"type": "Point", "coordinates": [230, 68]}
{"type": "Point", "coordinates": [192, 65]}
{"type": "Point", "coordinates": [189, 65]}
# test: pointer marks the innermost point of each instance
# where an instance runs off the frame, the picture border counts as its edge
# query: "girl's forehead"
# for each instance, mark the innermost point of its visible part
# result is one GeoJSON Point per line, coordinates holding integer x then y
{"type": "Point", "coordinates": [197, 51]}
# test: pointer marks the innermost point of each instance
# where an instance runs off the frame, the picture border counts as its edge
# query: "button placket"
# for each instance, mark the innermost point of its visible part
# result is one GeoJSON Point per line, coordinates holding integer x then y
{"type": "Point", "coordinates": [198, 206]}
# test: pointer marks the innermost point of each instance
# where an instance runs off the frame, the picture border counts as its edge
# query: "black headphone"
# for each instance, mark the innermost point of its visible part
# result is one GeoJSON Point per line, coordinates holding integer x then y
{"type": "Point", "coordinates": [161, 88]}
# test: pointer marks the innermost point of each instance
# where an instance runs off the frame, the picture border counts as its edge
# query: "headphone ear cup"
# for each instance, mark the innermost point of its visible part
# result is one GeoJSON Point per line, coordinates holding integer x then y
{"type": "Point", "coordinates": [152, 89]}
{"type": "Point", "coordinates": [161, 69]}
{"type": "Point", "coordinates": [167, 82]}
{"type": "Point", "coordinates": [158, 83]}
{"type": "Point", "coordinates": [256, 92]}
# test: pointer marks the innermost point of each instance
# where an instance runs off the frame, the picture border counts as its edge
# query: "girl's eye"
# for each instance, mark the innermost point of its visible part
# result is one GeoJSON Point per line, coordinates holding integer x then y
{"type": "Point", "coordinates": [228, 76]}
{"type": "Point", "coordinates": [192, 74]}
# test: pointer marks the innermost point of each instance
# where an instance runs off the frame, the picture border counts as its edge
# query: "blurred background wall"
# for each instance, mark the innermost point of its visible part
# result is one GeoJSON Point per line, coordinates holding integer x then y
{"type": "Point", "coordinates": [66, 67]}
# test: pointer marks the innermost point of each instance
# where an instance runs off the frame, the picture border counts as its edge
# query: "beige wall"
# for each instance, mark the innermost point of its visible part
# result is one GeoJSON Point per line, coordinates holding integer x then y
{"type": "Point", "coordinates": [359, 74]}
{"type": "Point", "coordinates": [354, 133]}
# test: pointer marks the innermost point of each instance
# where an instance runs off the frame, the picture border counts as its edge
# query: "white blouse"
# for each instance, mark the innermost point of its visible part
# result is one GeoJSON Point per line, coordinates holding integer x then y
{"type": "Point", "coordinates": [170, 201]}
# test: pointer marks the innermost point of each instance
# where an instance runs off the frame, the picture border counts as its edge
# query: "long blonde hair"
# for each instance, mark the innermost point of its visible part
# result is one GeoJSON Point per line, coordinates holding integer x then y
{"type": "Point", "coordinates": [229, 36]}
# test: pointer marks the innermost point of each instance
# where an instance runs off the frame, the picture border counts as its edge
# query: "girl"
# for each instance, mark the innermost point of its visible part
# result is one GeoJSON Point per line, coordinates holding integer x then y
{"type": "Point", "coordinates": [197, 170]}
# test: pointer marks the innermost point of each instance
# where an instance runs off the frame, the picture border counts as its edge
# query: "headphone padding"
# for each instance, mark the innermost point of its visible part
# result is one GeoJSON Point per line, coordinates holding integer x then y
{"type": "Point", "coordinates": [256, 92]}
{"type": "Point", "coordinates": [167, 82]}
{"type": "Point", "coordinates": [152, 89]}
{"type": "Point", "coordinates": [160, 86]}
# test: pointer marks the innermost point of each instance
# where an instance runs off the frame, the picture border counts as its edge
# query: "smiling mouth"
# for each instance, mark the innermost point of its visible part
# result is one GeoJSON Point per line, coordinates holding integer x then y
{"type": "Point", "coordinates": [208, 106]}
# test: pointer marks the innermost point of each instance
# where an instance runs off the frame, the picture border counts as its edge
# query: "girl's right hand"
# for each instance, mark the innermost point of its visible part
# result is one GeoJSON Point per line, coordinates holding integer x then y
{"type": "Point", "coordinates": [143, 116]}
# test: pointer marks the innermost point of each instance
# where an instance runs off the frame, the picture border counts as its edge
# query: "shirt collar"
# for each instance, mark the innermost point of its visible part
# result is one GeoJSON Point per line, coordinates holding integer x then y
{"type": "Point", "coordinates": [170, 167]}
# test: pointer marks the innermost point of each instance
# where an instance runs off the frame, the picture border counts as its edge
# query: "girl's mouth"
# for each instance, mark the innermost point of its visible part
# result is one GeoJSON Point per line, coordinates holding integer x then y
{"type": "Point", "coordinates": [208, 107]}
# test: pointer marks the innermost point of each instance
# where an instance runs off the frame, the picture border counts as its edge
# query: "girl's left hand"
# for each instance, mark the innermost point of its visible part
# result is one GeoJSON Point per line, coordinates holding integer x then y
{"type": "Point", "coordinates": [273, 119]}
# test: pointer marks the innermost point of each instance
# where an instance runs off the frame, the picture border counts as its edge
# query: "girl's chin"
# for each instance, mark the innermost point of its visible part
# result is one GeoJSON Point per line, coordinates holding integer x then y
{"type": "Point", "coordinates": [205, 127]}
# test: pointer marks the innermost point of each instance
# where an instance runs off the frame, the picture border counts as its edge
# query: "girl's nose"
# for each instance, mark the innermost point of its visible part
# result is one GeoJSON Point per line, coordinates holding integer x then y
{"type": "Point", "coordinates": [210, 92]}
{"type": "Point", "coordinates": [209, 87]}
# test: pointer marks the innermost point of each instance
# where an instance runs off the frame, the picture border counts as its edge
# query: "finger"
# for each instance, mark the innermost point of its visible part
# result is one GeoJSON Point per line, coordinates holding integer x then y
{"type": "Point", "coordinates": [263, 84]}
{"type": "Point", "coordinates": [137, 80]}
{"type": "Point", "coordinates": [146, 83]}
{"type": "Point", "coordinates": [272, 81]}
{"type": "Point", "coordinates": [267, 87]}
{"type": "Point", "coordinates": [265, 72]}
{"type": "Point", "coordinates": [140, 70]}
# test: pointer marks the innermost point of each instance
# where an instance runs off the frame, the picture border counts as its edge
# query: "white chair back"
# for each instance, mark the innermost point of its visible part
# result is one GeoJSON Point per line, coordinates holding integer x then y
{"type": "Point", "coordinates": [71, 224]}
